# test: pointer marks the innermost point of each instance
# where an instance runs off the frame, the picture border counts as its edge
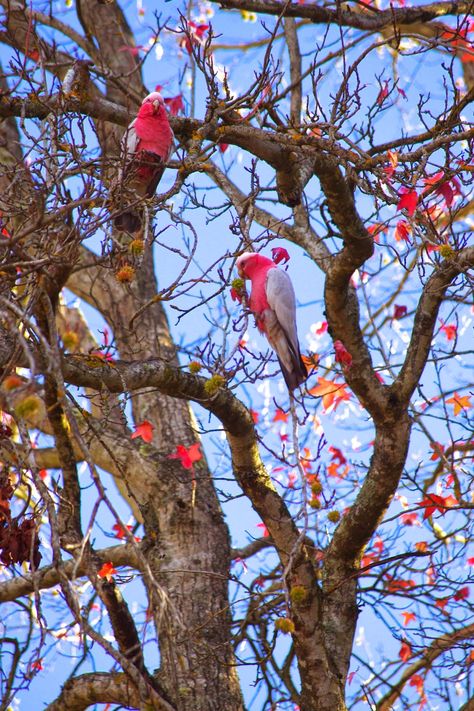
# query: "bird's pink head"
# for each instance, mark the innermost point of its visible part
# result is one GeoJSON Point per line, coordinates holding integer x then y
{"type": "Point", "coordinates": [153, 101]}
{"type": "Point", "coordinates": [250, 263]}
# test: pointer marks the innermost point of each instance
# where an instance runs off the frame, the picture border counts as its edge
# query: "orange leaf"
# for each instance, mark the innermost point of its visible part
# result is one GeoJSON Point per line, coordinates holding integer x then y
{"type": "Point", "coordinates": [280, 416]}
{"type": "Point", "coordinates": [331, 392]}
{"type": "Point", "coordinates": [408, 617]}
{"type": "Point", "coordinates": [459, 403]}
{"type": "Point", "coordinates": [107, 571]}
{"type": "Point", "coordinates": [144, 430]}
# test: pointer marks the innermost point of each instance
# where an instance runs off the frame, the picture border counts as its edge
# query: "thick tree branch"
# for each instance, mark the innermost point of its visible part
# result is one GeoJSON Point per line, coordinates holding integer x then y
{"type": "Point", "coordinates": [425, 661]}
{"type": "Point", "coordinates": [369, 19]}
{"type": "Point", "coordinates": [87, 690]}
{"type": "Point", "coordinates": [425, 321]}
{"type": "Point", "coordinates": [50, 576]}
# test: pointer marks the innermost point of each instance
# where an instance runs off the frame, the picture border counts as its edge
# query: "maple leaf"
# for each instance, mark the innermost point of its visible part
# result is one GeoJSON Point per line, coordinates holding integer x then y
{"type": "Point", "coordinates": [144, 430]}
{"type": "Point", "coordinates": [405, 652]}
{"type": "Point", "coordinates": [396, 585]}
{"type": "Point", "coordinates": [280, 416]}
{"type": "Point", "coordinates": [320, 328]}
{"type": "Point", "coordinates": [461, 594]}
{"type": "Point", "coordinates": [342, 355]}
{"type": "Point", "coordinates": [438, 451]}
{"type": "Point", "coordinates": [331, 392]}
{"type": "Point", "coordinates": [175, 104]}
{"type": "Point", "coordinates": [418, 682]}
{"type": "Point", "coordinates": [337, 455]}
{"type": "Point", "coordinates": [408, 617]}
{"type": "Point", "coordinates": [459, 403]}
{"type": "Point", "coordinates": [280, 254]}
{"type": "Point", "coordinates": [311, 362]}
{"type": "Point", "coordinates": [187, 456]}
{"type": "Point", "coordinates": [442, 602]}
{"type": "Point", "coordinates": [408, 200]}
{"type": "Point", "coordinates": [383, 93]}
{"type": "Point", "coordinates": [399, 311]}
{"type": "Point", "coordinates": [410, 519]}
{"type": "Point", "coordinates": [434, 502]}
{"type": "Point", "coordinates": [402, 231]}
{"type": "Point", "coordinates": [449, 330]}
{"type": "Point", "coordinates": [107, 571]}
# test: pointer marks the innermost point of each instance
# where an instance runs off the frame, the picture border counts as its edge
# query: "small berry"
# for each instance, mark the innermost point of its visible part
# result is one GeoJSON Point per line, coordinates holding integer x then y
{"type": "Point", "coordinates": [285, 625]}
{"type": "Point", "coordinates": [315, 504]}
{"type": "Point", "coordinates": [194, 366]}
{"type": "Point", "coordinates": [12, 381]}
{"type": "Point", "coordinates": [316, 487]}
{"type": "Point", "coordinates": [136, 247]}
{"type": "Point", "coordinates": [446, 251]}
{"type": "Point", "coordinates": [298, 594]}
{"type": "Point", "coordinates": [28, 407]}
{"type": "Point", "coordinates": [125, 274]}
{"type": "Point", "coordinates": [334, 516]}
{"type": "Point", "coordinates": [70, 340]}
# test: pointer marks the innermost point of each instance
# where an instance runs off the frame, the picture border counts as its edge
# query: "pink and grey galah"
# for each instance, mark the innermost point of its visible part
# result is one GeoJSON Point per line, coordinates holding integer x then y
{"type": "Point", "coordinates": [146, 148]}
{"type": "Point", "coordinates": [272, 301]}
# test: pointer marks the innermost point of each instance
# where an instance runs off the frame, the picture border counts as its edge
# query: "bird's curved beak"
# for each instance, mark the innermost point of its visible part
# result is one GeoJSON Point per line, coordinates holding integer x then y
{"type": "Point", "coordinates": [241, 273]}
{"type": "Point", "coordinates": [156, 105]}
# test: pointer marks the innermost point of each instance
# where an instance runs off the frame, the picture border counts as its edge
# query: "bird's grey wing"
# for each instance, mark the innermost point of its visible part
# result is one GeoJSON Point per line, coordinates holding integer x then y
{"type": "Point", "coordinates": [129, 141]}
{"type": "Point", "coordinates": [281, 299]}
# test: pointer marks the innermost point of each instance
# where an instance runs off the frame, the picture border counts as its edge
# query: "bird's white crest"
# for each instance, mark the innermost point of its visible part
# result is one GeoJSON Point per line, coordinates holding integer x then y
{"type": "Point", "coordinates": [154, 96]}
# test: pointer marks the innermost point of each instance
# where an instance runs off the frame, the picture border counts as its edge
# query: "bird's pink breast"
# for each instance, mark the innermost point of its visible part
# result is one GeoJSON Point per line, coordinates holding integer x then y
{"type": "Point", "coordinates": [154, 134]}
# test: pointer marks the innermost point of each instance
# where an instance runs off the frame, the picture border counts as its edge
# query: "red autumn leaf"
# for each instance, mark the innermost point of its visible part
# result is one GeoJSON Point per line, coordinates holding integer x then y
{"type": "Point", "coordinates": [255, 416]}
{"type": "Point", "coordinates": [408, 200]}
{"type": "Point", "coordinates": [337, 455]}
{"type": "Point", "coordinates": [470, 561]}
{"type": "Point", "coordinates": [421, 546]}
{"type": "Point", "coordinates": [449, 330]}
{"type": "Point", "coordinates": [280, 254]}
{"type": "Point", "coordinates": [187, 456]}
{"type": "Point", "coordinates": [402, 93]}
{"type": "Point", "coordinates": [235, 295]}
{"type": "Point", "coordinates": [418, 682]}
{"type": "Point", "coordinates": [410, 519]}
{"type": "Point", "coordinates": [438, 451]}
{"type": "Point", "coordinates": [144, 430]}
{"type": "Point", "coordinates": [121, 531]}
{"type": "Point", "coordinates": [175, 104]}
{"type": "Point", "coordinates": [396, 585]}
{"type": "Point", "coordinates": [434, 502]}
{"type": "Point", "coordinates": [383, 93]}
{"type": "Point", "coordinates": [402, 231]}
{"type": "Point", "coordinates": [264, 530]}
{"type": "Point", "coordinates": [405, 652]}
{"type": "Point", "coordinates": [461, 594]}
{"type": "Point", "coordinates": [280, 416]}
{"type": "Point", "coordinates": [107, 571]}
{"type": "Point", "coordinates": [342, 354]}
{"type": "Point", "coordinates": [399, 311]}
{"type": "Point", "coordinates": [322, 328]}
{"type": "Point", "coordinates": [442, 602]}
{"type": "Point", "coordinates": [223, 147]}
{"type": "Point", "coordinates": [37, 665]}
{"type": "Point", "coordinates": [408, 617]}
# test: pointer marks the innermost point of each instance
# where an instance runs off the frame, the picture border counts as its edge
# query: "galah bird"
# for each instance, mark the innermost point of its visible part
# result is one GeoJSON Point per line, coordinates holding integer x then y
{"type": "Point", "coordinates": [272, 301]}
{"type": "Point", "coordinates": [146, 148]}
